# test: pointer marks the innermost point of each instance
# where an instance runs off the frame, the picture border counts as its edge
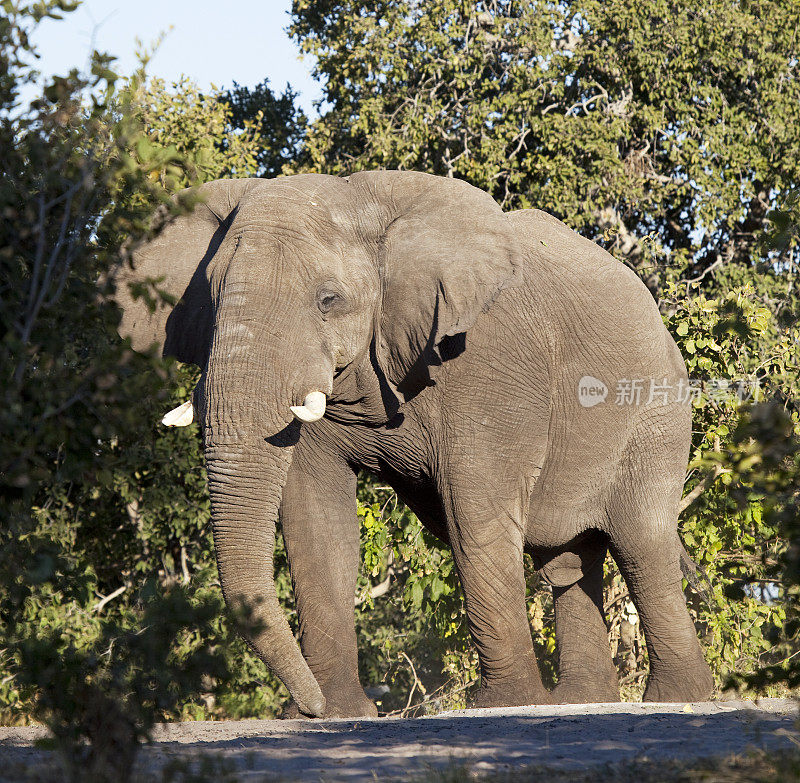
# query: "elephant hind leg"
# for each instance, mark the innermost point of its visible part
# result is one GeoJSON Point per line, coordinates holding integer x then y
{"type": "Point", "coordinates": [650, 566]}
{"type": "Point", "coordinates": [644, 542]}
{"type": "Point", "coordinates": [586, 671]}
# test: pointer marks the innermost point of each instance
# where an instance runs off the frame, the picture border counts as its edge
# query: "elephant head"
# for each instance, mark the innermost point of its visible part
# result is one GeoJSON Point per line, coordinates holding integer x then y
{"type": "Point", "coordinates": [300, 297]}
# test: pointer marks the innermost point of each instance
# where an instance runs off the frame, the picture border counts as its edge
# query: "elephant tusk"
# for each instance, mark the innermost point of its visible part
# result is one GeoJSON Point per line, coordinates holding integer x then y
{"type": "Point", "coordinates": [312, 409]}
{"type": "Point", "coordinates": [182, 416]}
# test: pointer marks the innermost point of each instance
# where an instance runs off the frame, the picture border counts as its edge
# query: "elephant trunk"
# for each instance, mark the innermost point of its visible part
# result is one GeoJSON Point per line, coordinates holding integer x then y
{"type": "Point", "coordinates": [245, 484]}
{"type": "Point", "coordinates": [248, 449]}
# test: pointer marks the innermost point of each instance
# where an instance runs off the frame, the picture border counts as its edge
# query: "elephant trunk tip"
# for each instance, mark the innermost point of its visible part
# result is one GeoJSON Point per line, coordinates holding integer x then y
{"type": "Point", "coordinates": [313, 707]}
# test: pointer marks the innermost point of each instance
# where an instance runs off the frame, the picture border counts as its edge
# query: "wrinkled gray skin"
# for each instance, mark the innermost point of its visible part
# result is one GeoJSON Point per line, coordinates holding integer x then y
{"type": "Point", "coordinates": [449, 339]}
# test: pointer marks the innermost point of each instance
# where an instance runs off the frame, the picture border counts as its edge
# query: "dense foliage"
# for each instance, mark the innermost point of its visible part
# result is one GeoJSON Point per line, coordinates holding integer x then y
{"type": "Point", "coordinates": [666, 131]}
{"type": "Point", "coordinates": [279, 122]}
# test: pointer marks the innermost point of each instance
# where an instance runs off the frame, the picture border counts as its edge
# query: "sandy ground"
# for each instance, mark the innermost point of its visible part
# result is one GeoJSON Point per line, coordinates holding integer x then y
{"type": "Point", "coordinates": [570, 736]}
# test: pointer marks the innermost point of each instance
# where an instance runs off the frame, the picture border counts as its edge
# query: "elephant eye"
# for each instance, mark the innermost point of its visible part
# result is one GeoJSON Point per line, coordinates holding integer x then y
{"type": "Point", "coordinates": [327, 300]}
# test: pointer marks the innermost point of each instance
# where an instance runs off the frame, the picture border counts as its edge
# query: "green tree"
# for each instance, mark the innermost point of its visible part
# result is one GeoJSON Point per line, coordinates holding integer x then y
{"type": "Point", "coordinates": [202, 128]}
{"type": "Point", "coordinates": [279, 122]}
{"type": "Point", "coordinates": [745, 367]}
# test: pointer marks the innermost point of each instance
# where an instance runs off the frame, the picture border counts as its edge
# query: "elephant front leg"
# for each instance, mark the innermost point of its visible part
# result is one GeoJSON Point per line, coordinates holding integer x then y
{"type": "Point", "coordinates": [320, 528]}
{"type": "Point", "coordinates": [487, 548]}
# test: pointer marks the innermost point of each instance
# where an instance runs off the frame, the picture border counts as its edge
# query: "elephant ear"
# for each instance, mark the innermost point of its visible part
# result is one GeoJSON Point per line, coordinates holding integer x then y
{"type": "Point", "coordinates": [175, 262]}
{"type": "Point", "coordinates": [446, 252]}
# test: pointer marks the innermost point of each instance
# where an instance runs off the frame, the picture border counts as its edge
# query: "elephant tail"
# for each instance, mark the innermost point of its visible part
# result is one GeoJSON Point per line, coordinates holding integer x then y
{"type": "Point", "coordinates": [697, 577]}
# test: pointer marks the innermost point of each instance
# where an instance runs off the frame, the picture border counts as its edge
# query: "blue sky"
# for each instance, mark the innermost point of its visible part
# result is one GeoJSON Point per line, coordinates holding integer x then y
{"type": "Point", "coordinates": [212, 43]}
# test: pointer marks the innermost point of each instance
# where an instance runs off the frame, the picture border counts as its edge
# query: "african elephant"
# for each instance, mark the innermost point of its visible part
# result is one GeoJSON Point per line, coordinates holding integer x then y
{"type": "Point", "coordinates": [401, 323]}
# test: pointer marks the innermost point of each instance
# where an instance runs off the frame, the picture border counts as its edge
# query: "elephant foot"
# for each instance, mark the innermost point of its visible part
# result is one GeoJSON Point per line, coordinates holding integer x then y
{"type": "Point", "coordinates": [508, 693]}
{"type": "Point", "coordinates": [339, 703]}
{"type": "Point", "coordinates": [683, 686]}
{"type": "Point", "coordinates": [590, 684]}
{"type": "Point", "coordinates": [587, 692]}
